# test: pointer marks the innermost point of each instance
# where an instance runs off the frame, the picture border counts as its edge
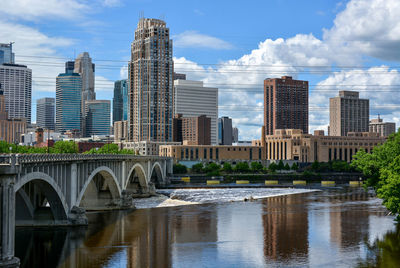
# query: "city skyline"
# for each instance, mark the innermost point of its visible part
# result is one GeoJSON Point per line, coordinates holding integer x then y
{"type": "Point", "coordinates": [254, 55]}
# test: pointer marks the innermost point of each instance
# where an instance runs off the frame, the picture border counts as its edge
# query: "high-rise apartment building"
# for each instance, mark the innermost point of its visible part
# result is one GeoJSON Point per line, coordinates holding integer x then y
{"type": "Point", "coordinates": [383, 128]}
{"type": "Point", "coordinates": [151, 83]}
{"type": "Point", "coordinates": [225, 134]}
{"type": "Point", "coordinates": [192, 99]}
{"type": "Point", "coordinates": [120, 101]}
{"type": "Point", "coordinates": [97, 117]}
{"type": "Point", "coordinates": [10, 129]}
{"type": "Point", "coordinates": [348, 113]}
{"type": "Point", "coordinates": [68, 102]}
{"type": "Point", "coordinates": [6, 54]}
{"type": "Point", "coordinates": [192, 130]}
{"type": "Point", "coordinates": [16, 81]}
{"type": "Point", "coordinates": [45, 112]}
{"type": "Point", "coordinates": [120, 131]}
{"type": "Point", "coordinates": [285, 104]}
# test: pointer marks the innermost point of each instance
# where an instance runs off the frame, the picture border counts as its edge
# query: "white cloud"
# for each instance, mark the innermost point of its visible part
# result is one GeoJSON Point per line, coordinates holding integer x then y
{"type": "Point", "coordinates": [112, 3]}
{"type": "Point", "coordinates": [370, 27]}
{"type": "Point", "coordinates": [34, 9]}
{"type": "Point", "coordinates": [378, 84]}
{"type": "Point", "coordinates": [194, 39]}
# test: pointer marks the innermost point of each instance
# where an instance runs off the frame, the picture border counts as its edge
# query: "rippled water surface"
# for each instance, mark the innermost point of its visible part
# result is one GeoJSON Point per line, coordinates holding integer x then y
{"type": "Point", "coordinates": [339, 227]}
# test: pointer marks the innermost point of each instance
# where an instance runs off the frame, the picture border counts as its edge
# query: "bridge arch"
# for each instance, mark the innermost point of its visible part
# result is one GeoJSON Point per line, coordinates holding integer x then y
{"type": "Point", "coordinates": [102, 178]}
{"type": "Point", "coordinates": [156, 175]}
{"type": "Point", "coordinates": [138, 170]}
{"type": "Point", "coordinates": [47, 188]}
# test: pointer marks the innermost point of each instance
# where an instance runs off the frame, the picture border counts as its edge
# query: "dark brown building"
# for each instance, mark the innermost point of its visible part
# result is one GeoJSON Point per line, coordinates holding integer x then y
{"type": "Point", "coordinates": [285, 104]}
{"type": "Point", "coordinates": [192, 130]}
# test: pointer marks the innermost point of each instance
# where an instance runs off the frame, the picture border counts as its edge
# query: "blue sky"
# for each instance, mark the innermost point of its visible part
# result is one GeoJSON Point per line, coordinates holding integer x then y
{"type": "Point", "coordinates": [357, 41]}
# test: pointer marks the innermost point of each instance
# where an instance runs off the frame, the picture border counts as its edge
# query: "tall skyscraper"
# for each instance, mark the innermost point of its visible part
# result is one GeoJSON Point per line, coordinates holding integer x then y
{"type": "Point", "coordinates": [193, 130]}
{"type": "Point", "coordinates": [16, 81]}
{"type": "Point", "coordinates": [348, 113]}
{"type": "Point", "coordinates": [69, 67]}
{"type": "Point", "coordinates": [225, 130]}
{"type": "Point", "coordinates": [285, 104]}
{"type": "Point", "coordinates": [97, 117]}
{"type": "Point", "coordinates": [151, 83]}
{"type": "Point", "coordinates": [192, 99]}
{"type": "Point", "coordinates": [45, 111]}
{"type": "Point", "coordinates": [383, 128]}
{"type": "Point", "coordinates": [120, 101]}
{"type": "Point", "coordinates": [68, 102]}
{"type": "Point", "coordinates": [6, 54]}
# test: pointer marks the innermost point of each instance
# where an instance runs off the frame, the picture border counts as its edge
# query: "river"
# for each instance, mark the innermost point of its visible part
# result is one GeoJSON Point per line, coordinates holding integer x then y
{"type": "Point", "coordinates": [335, 227]}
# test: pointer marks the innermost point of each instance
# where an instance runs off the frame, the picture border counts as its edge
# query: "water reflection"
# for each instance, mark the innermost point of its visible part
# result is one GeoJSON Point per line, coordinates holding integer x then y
{"type": "Point", "coordinates": [338, 227]}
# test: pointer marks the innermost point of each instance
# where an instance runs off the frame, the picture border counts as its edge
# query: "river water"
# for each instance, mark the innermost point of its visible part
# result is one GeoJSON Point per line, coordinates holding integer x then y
{"type": "Point", "coordinates": [335, 227]}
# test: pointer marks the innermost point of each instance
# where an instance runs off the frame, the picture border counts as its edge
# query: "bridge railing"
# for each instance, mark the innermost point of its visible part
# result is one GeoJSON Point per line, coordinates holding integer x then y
{"type": "Point", "coordinates": [12, 159]}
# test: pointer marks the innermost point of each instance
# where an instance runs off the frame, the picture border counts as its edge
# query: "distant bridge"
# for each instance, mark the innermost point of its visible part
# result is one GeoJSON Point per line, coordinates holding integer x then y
{"type": "Point", "coordinates": [56, 189]}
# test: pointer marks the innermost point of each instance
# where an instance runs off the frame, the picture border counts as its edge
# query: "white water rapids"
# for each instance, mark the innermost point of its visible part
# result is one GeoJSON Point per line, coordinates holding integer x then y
{"type": "Point", "coordinates": [179, 197]}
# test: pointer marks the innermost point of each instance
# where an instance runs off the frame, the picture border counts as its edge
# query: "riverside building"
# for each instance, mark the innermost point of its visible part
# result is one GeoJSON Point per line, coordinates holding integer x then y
{"type": "Point", "coordinates": [151, 83]}
{"type": "Point", "coordinates": [285, 104]}
{"type": "Point", "coordinates": [348, 113]}
{"type": "Point", "coordinates": [192, 130]}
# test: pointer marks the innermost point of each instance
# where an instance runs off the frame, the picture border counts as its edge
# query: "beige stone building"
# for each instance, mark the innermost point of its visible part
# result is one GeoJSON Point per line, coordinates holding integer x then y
{"type": "Point", "coordinates": [120, 131]}
{"type": "Point", "coordinates": [211, 152]}
{"type": "Point", "coordinates": [348, 113]}
{"type": "Point", "coordinates": [292, 144]}
{"type": "Point", "coordinates": [384, 129]}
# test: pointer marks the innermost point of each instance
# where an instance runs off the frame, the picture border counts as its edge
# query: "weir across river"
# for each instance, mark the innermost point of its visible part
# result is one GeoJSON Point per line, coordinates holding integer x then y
{"type": "Point", "coordinates": [56, 189]}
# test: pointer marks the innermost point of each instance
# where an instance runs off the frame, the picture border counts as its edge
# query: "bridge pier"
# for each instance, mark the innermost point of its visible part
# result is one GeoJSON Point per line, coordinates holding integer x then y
{"type": "Point", "coordinates": [7, 217]}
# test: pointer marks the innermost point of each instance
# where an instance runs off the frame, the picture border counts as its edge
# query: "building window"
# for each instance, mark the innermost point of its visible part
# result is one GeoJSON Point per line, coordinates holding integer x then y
{"type": "Point", "coordinates": [330, 154]}
{"type": "Point", "coordinates": [335, 153]}
{"type": "Point", "coordinates": [187, 153]}
{"type": "Point", "coordinates": [197, 153]}
{"type": "Point", "coordinates": [205, 153]}
{"type": "Point", "coordinates": [259, 153]}
{"type": "Point", "coordinates": [211, 153]}
{"type": "Point", "coordinates": [216, 153]}
{"type": "Point", "coordinates": [251, 153]}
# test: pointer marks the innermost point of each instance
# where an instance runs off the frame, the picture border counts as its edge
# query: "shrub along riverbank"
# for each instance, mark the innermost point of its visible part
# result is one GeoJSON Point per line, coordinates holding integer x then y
{"type": "Point", "coordinates": [382, 170]}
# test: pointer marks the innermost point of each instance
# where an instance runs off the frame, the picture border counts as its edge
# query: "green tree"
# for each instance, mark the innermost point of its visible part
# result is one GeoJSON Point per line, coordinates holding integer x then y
{"type": "Point", "coordinates": [212, 169]}
{"type": "Point", "coordinates": [256, 166]}
{"type": "Point", "coordinates": [273, 167]}
{"type": "Point", "coordinates": [227, 167]}
{"type": "Point", "coordinates": [340, 166]}
{"type": "Point", "coordinates": [281, 166]}
{"type": "Point", "coordinates": [197, 168]}
{"type": "Point", "coordinates": [315, 166]}
{"type": "Point", "coordinates": [382, 170]}
{"type": "Point", "coordinates": [242, 167]}
{"type": "Point", "coordinates": [64, 147]}
{"type": "Point", "coordinates": [179, 169]}
{"type": "Point", "coordinates": [295, 166]}
{"type": "Point", "coordinates": [287, 167]}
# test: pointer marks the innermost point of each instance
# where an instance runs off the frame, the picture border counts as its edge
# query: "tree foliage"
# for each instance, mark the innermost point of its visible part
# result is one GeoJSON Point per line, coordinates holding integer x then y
{"type": "Point", "coordinates": [179, 169]}
{"type": "Point", "coordinates": [242, 167]}
{"type": "Point", "coordinates": [109, 148]}
{"type": "Point", "coordinates": [295, 166]}
{"type": "Point", "coordinates": [227, 167]}
{"type": "Point", "coordinates": [256, 166]}
{"type": "Point", "coordinates": [382, 170]}
{"type": "Point", "coordinates": [273, 167]}
{"type": "Point", "coordinates": [198, 168]}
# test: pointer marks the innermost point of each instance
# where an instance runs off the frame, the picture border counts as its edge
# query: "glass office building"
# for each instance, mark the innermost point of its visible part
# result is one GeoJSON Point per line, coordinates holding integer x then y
{"type": "Point", "coordinates": [120, 101]}
{"type": "Point", "coordinates": [97, 114]}
{"type": "Point", "coordinates": [68, 102]}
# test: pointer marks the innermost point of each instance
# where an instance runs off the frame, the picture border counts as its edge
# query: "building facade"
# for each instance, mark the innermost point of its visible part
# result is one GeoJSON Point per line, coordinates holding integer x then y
{"type": "Point", "coordinates": [192, 99]}
{"type": "Point", "coordinates": [97, 114]}
{"type": "Point", "coordinates": [10, 129]}
{"type": "Point", "coordinates": [151, 83]}
{"type": "Point", "coordinates": [235, 135]}
{"type": "Point", "coordinates": [120, 131]}
{"type": "Point", "coordinates": [178, 76]}
{"type": "Point", "coordinates": [120, 101]}
{"type": "Point", "coordinates": [45, 113]}
{"type": "Point", "coordinates": [384, 129]}
{"type": "Point", "coordinates": [16, 81]}
{"type": "Point", "coordinates": [211, 152]}
{"type": "Point", "coordinates": [348, 113]}
{"type": "Point", "coordinates": [293, 144]}
{"type": "Point", "coordinates": [146, 147]}
{"type": "Point", "coordinates": [68, 102]}
{"type": "Point", "coordinates": [6, 54]}
{"type": "Point", "coordinates": [192, 130]}
{"type": "Point", "coordinates": [225, 134]}
{"type": "Point", "coordinates": [285, 104]}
